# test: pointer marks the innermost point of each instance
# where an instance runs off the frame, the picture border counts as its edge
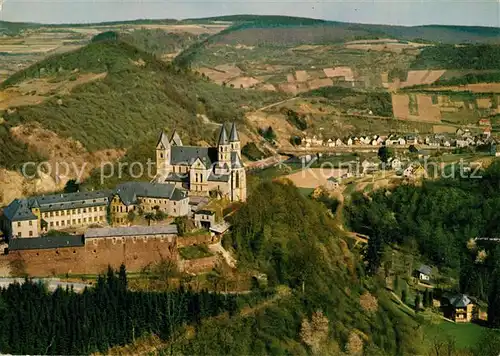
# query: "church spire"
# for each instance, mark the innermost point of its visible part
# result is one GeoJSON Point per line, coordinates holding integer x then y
{"type": "Point", "coordinates": [223, 140]}
{"type": "Point", "coordinates": [163, 140]}
{"type": "Point", "coordinates": [175, 140]}
{"type": "Point", "coordinates": [233, 136]}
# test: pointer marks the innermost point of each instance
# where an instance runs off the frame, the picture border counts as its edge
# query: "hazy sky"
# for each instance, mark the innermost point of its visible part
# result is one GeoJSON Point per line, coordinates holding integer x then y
{"type": "Point", "coordinates": [400, 12]}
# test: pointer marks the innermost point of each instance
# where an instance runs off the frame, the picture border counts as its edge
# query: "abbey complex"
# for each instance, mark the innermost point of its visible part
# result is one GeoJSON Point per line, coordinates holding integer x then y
{"type": "Point", "coordinates": [184, 173]}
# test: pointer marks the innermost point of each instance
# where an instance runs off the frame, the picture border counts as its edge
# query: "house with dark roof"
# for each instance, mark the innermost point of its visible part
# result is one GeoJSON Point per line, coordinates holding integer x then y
{"type": "Point", "coordinates": [424, 273]}
{"type": "Point", "coordinates": [332, 183]}
{"type": "Point", "coordinates": [458, 307]}
{"type": "Point", "coordinates": [202, 170]}
{"type": "Point", "coordinates": [147, 197]}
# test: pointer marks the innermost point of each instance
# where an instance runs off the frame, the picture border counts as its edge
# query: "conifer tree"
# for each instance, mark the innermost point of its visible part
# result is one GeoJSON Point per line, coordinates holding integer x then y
{"type": "Point", "coordinates": [417, 302]}
{"type": "Point", "coordinates": [122, 276]}
{"type": "Point", "coordinates": [425, 300]}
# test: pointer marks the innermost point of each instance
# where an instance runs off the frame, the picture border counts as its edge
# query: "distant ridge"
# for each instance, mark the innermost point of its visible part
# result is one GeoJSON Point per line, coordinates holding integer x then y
{"type": "Point", "coordinates": [257, 19]}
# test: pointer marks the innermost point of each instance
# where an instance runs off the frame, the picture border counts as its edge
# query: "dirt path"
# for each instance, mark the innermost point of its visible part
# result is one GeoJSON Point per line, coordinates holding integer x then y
{"type": "Point", "coordinates": [251, 310]}
{"type": "Point", "coordinates": [51, 283]}
{"type": "Point", "coordinates": [403, 304]}
{"type": "Point", "coordinates": [219, 249]}
{"type": "Point", "coordinates": [266, 162]}
{"type": "Point", "coordinates": [276, 104]}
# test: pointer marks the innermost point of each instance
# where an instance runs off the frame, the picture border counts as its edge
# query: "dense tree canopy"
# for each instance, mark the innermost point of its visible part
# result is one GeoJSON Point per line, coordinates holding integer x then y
{"type": "Point", "coordinates": [35, 321]}
{"type": "Point", "coordinates": [295, 242]}
{"type": "Point", "coordinates": [441, 216]}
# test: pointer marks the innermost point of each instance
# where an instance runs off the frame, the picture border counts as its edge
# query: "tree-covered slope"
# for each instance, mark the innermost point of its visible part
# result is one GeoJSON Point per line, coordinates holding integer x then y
{"type": "Point", "coordinates": [104, 54]}
{"type": "Point", "coordinates": [283, 31]}
{"type": "Point", "coordinates": [439, 217]}
{"type": "Point", "coordinates": [13, 28]}
{"type": "Point", "coordinates": [477, 57]}
{"type": "Point", "coordinates": [139, 96]}
{"type": "Point", "coordinates": [294, 242]}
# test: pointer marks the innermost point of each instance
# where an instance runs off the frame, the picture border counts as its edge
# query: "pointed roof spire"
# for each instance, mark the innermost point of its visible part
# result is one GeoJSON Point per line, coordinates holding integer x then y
{"type": "Point", "coordinates": [236, 161]}
{"type": "Point", "coordinates": [176, 139]}
{"type": "Point", "coordinates": [223, 140]}
{"type": "Point", "coordinates": [233, 136]}
{"type": "Point", "coordinates": [163, 140]}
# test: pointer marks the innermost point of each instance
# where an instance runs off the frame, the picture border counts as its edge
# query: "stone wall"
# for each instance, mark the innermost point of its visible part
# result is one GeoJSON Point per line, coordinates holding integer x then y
{"type": "Point", "coordinates": [96, 255]}
{"type": "Point", "coordinates": [198, 265]}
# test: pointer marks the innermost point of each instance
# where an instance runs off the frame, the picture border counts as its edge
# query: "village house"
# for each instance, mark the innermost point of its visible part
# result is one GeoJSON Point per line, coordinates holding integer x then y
{"type": "Point", "coordinates": [339, 142]}
{"type": "Point", "coordinates": [487, 132]}
{"type": "Point", "coordinates": [332, 183]}
{"type": "Point", "coordinates": [395, 163]}
{"type": "Point", "coordinates": [414, 170]}
{"type": "Point", "coordinates": [458, 307]}
{"type": "Point", "coordinates": [424, 273]}
{"type": "Point", "coordinates": [219, 229]}
{"type": "Point", "coordinates": [330, 143]}
{"type": "Point", "coordinates": [432, 141]}
{"type": "Point", "coordinates": [411, 139]}
{"type": "Point", "coordinates": [484, 122]}
{"type": "Point", "coordinates": [391, 140]}
{"type": "Point", "coordinates": [408, 172]}
{"type": "Point", "coordinates": [368, 167]}
{"type": "Point", "coordinates": [204, 219]}
{"type": "Point", "coordinates": [317, 141]}
{"type": "Point", "coordinates": [203, 170]}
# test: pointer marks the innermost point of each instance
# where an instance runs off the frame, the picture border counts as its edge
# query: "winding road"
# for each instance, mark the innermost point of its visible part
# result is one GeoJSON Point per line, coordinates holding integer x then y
{"type": "Point", "coordinates": [51, 283]}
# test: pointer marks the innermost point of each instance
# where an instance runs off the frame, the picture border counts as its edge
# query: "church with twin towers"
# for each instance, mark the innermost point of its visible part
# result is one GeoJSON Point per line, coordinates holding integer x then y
{"type": "Point", "coordinates": [203, 171]}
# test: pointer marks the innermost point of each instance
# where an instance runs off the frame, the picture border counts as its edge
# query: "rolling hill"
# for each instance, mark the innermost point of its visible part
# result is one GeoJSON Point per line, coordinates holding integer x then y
{"type": "Point", "coordinates": [13, 28]}
{"type": "Point", "coordinates": [138, 97]}
{"type": "Point", "coordinates": [254, 30]}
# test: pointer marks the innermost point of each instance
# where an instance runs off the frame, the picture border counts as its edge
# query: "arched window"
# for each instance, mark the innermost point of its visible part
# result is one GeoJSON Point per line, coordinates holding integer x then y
{"type": "Point", "coordinates": [237, 179]}
{"type": "Point", "coordinates": [196, 177]}
{"type": "Point", "coordinates": [201, 177]}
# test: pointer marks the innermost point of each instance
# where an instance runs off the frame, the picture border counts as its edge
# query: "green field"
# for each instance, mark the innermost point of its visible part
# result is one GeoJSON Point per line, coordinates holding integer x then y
{"type": "Point", "coordinates": [306, 191]}
{"type": "Point", "coordinates": [465, 335]}
{"type": "Point", "coordinates": [193, 252]}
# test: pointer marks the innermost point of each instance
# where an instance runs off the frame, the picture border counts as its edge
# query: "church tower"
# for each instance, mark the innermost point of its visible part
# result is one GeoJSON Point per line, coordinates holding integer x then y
{"type": "Point", "coordinates": [234, 140]}
{"type": "Point", "coordinates": [175, 140]}
{"type": "Point", "coordinates": [238, 180]}
{"type": "Point", "coordinates": [224, 147]}
{"type": "Point", "coordinates": [163, 152]}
